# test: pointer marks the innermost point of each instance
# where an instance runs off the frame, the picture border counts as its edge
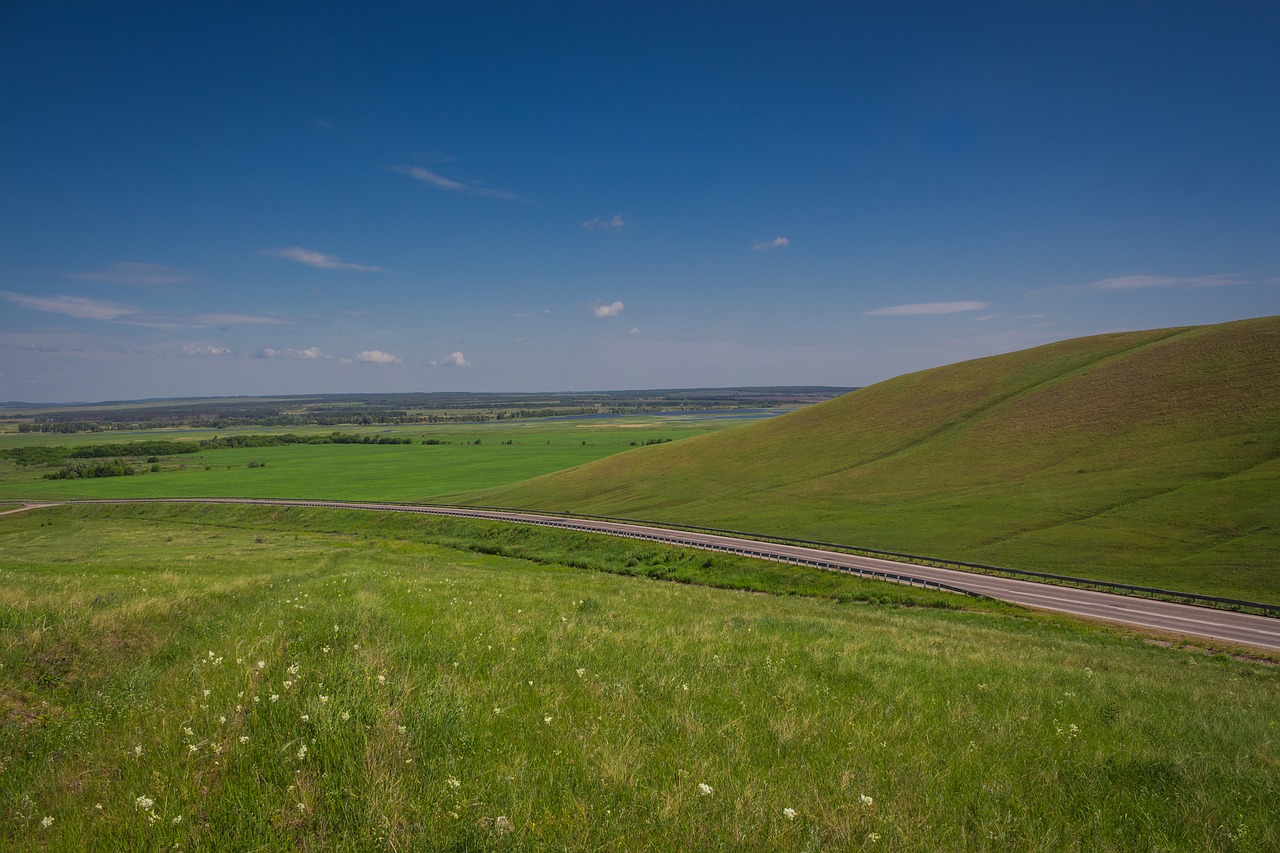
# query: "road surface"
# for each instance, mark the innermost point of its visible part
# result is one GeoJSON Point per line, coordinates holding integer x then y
{"type": "Point", "coordinates": [1230, 626]}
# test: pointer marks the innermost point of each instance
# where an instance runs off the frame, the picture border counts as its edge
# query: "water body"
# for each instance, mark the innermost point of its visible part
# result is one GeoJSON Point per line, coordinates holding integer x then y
{"type": "Point", "coordinates": [701, 415]}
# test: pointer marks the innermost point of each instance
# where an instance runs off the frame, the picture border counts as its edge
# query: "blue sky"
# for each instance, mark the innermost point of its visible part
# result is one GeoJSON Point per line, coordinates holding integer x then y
{"type": "Point", "coordinates": [204, 200]}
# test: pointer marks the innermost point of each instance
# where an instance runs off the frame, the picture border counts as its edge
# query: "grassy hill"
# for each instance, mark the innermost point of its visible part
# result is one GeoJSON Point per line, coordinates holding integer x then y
{"type": "Point", "coordinates": [1149, 457]}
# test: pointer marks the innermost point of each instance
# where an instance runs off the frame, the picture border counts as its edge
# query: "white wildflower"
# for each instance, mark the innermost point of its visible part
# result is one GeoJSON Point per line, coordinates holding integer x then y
{"type": "Point", "coordinates": [546, 720]}
{"type": "Point", "coordinates": [789, 813]}
{"type": "Point", "coordinates": [581, 672]}
{"type": "Point", "coordinates": [346, 716]}
{"type": "Point", "coordinates": [302, 752]}
{"type": "Point", "coordinates": [262, 664]}
{"type": "Point", "coordinates": [144, 802]}
{"type": "Point", "coordinates": [705, 790]}
{"type": "Point", "coordinates": [177, 820]}
{"type": "Point", "coordinates": [306, 718]}
{"type": "Point", "coordinates": [323, 699]}
{"type": "Point", "coordinates": [382, 679]}
{"type": "Point", "coordinates": [865, 800]}
{"type": "Point", "coordinates": [137, 751]}
{"type": "Point", "coordinates": [275, 697]}
{"type": "Point", "coordinates": [47, 821]}
{"type": "Point", "coordinates": [453, 782]}
{"type": "Point", "coordinates": [873, 837]}
{"type": "Point", "coordinates": [244, 738]}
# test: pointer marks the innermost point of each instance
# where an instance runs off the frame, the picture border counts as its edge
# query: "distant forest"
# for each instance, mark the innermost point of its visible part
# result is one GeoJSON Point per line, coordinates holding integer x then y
{"type": "Point", "coordinates": [411, 408]}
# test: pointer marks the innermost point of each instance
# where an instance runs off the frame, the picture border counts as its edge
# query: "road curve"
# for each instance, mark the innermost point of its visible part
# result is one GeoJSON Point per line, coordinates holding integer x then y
{"type": "Point", "coordinates": [1229, 626]}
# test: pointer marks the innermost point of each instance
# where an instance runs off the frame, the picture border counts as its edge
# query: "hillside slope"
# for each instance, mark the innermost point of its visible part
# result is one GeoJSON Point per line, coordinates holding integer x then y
{"type": "Point", "coordinates": [1150, 457]}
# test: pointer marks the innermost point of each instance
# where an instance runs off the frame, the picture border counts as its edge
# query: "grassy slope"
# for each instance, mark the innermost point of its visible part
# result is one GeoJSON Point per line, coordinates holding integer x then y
{"type": "Point", "coordinates": [293, 689]}
{"type": "Point", "coordinates": [1149, 457]}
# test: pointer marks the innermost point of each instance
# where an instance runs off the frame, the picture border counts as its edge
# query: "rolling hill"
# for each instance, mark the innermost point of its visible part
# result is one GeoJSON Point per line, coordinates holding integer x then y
{"type": "Point", "coordinates": [1149, 457]}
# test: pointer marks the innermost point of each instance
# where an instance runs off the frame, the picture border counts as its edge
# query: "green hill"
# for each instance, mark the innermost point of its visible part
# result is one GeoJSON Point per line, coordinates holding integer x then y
{"type": "Point", "coordinates": [1148, 457]}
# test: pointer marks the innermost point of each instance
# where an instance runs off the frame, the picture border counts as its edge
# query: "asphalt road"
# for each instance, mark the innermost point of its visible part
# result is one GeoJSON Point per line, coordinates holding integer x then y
{"type": "Point", "coordinates": [1243, 628]}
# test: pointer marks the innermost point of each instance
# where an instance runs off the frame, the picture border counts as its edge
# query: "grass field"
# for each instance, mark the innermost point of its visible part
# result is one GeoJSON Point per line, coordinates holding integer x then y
{"type": "Point", "coordinates": [239, 678]}
{"type": "Point", "coordinates": [1148, 457]}
{"type": "Point", "coordinates": [379, 472]}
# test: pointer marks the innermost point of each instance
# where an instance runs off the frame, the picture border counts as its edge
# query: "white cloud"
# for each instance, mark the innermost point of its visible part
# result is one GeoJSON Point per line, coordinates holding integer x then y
{"type": "Point", "coordinates": [440, 182]}
{"type": "Point", "coordinates": [204, 350]}
{"type": "Point", "coordinates": [633, 331]}
{"type": "Point", "coordinates": [1131, 282]}
{"type": "Point", "coordinates": [926, 308]}
{"type": "Point", "coordinates": [778, 242]}
{"type": "Point", "coordinates": [319, 260]}
{"type": "Point", "coordinates": [599, 224]}
{"type": "Point", "coordinates": [453, 359]}
{"type": "Point", "coordinates": [374, 356]}
{"type": "Point", "coordinates": [146, 275]}
{"type": "Point", "coordinates": [308, 354]}
{"type": "Point", "coordinates": [71, 306]}
{"type": "Point", "coordinates": [613, 309]}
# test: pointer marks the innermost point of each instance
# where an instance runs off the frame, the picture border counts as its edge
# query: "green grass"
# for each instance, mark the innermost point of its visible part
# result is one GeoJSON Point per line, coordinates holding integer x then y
{"type": "Point", "coordinates": [454, 700]}
{"type": "Point", "coordinates": [1148, 457]}
{"type": "Point", "coordinates": [376, 472]}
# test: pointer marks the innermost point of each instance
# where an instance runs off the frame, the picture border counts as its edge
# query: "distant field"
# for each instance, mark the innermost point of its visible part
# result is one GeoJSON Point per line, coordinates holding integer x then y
{"type": "Point", "coordinates": [252, 678]}
{"type": "Point", "coordinates": [382, 472]}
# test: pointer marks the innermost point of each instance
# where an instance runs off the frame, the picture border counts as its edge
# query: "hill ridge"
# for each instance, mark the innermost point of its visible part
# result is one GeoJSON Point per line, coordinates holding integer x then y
{"type": "Point", "coordinates": [1115, 454]}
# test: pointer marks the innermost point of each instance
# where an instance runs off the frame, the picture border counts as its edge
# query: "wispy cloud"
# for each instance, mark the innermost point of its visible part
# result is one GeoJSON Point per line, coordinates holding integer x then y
{"type": "Point", "coordinates": [374, 356]}
{"type": "Point", "coordinates": [453, 359]}
{"type": "Point", "coordinates": [611, 309]}
{"type": "Point", "coordinates": [71, 306]}
{"type": "Point", "coordinates": [633, 331]}
{"type": "Point", "coordinates": [440, 182]}
{"type": "Point", "coordinates": [778, 242]}
{"type": "Point", "coordinates": [308, 354]}
{"type": "Point", "coordinates": [1130, 282]}
{"type": "Point", "coordinates": [83, 308]}
{"type": "Point", "coordinates": [926, 308]}
{"type": "Point", "coordinates": [231, 320]}
{"type": "Point", "coordinates": [319, 260]}
{"type": "Point", "coordinates": [141, 275]}
{"type": "Point", "coordinates": [599, 224]}
{"type": "Point", "coordinates": [207, 350]}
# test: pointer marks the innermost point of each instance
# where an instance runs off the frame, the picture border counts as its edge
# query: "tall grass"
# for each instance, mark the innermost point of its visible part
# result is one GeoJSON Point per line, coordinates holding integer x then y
{"type": "Point", "coordinates": [166, 682]}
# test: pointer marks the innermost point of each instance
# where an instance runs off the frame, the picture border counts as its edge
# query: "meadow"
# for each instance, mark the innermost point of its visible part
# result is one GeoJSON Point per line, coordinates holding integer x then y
{"type": "Point", "coordinates": [468, 457]}
{"type": "Point", "coordinates": [252, 678]}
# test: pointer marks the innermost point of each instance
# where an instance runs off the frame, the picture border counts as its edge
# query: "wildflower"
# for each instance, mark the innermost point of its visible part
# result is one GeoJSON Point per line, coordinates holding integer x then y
{"type": "Point", "coordinates": [144, 802]}
{"type": "Point", "coordinates": [302, 807]}
{"type": "Point", "coordinates": [865, 800]}
{"type": "Point", "coordinates": [275, 697]}
{"type": "Point", "coordinates": [306, 718]}
{"type": "Point", "coordinates": [302, 752]}
{"type": "Point", "coordinates": [453, 783]}
{"type": "Point", "coordinates": [244, 738]}
{"type": "Point", "coordinates": [705, 790]}
{"type": "Point", "coordinates": [345, 716]}
{"type": "Point", "coordinates": [207, 692]}
{"type": "Point", "coordinates": [256, 700]}
{"type": "Point", "coordinates": [191, 747]}
{"type": "Point", "coordinates": [873, 837]}
{"type": "Point", "coordinates": [382, 679]}
{"type": "Point", "coordinates": [47, 821]}
{"type": "Point", "coordinates": [177, 820]}
{"type": "Point", "coordinates": [137, 751]}
{"type": "Point", "coordinates": [98, 806]}
{"type": "Point", "coordinates": [402, 729]}
{"type": "Point", "coordinates": [293, 670]}
{"type": "Point", "coordinates": [323, 699]}
{"type": "Point", "coordinates": [187, 731]}
{"type": "Point", "coordinates": [789, 813]}
{"type": "Point", "coordinates": [222, 718]}
{"type": "Point", "coordinates": [288, 684]}
{"type": "Point", "coordinates": [262, 664]}
{"type": "Point", "coordinates": [547, 720]}
{"type": "Point", "coordinates": [324, 649]}
{"type": "Point", "coordinates": [581, 672]}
